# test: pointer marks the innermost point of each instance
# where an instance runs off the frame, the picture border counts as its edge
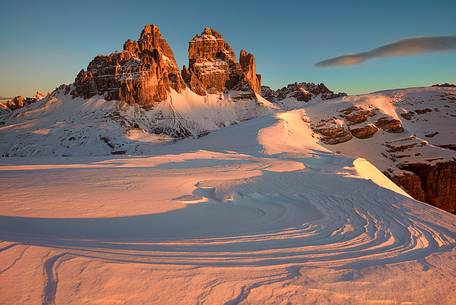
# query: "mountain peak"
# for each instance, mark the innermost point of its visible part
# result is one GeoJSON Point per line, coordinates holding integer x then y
{"type": "Point", "coordinates": [149, 29]}
{"type": "Point", "coordinates": [213, 67]}
{"type": "Point", "coordinates": [143, 73]}
{"type": "Point", "coordinates": [208, 31]}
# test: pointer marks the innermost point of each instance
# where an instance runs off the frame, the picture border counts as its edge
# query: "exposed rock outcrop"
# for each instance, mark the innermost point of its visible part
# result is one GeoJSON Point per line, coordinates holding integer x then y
{"type": "Point", "coordinates": [213, 67]}
{"type": "Point", "coordinates": [359, 122]}
{"type": "Point", "coordinates": [356, 115]}
{"type": "Point", "coordinates": [406, 135]}
{"type": "Point", "coordinates": [332, 131]}
{"type": "Point", "coordinates": [302, 92]}
{"type": "Point", "coordinates": [143, 73]}
{"type": "Point", "coordinates": [268, 93]}
{"type": "Point", "coordinates": [447, 85]}
{"type": "Point", "coordinates": [407, 115]}
{"type": "Point", "coordinates": [389, 125]}
{"type": "Point", "coordinates": [19, 101]}
{"type": "Point", "coordinates": [364, 132]}
{"type": "Point", "coordinates": [411, 183]}
{"type": "Point", "coordinates": [434, 184]}
{"type": "Point", "coordinates": [247, 61]}
{"type": "Point", "coordinates": [16, 102]}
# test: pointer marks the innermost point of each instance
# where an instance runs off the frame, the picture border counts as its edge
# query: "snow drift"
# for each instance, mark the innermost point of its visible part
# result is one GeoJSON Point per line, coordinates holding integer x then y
{"type": "Point", "coordinates": [254, 213]}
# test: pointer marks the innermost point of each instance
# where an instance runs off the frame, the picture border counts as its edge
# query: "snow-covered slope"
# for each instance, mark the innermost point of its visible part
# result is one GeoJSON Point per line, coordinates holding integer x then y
{"type": "Point", "coordinates": [407, 133]}
{"type": "Point", "coordinates": [256, 213]}
{"type": "Point", "coordinates": [427, 116]}
{"type": "Point", "coordinates": [60, 125]}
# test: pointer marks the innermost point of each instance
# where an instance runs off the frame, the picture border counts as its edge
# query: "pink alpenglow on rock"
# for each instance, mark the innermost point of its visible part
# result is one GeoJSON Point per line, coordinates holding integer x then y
{"type": "Point", "coordinates": [213, 67]}
{"type": "Point", "coordinates": [143, 73]}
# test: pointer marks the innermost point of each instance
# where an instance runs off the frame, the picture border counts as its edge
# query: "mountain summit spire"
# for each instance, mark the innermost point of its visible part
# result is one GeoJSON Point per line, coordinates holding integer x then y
{"type": "Point", "coordinates": [213, 67]}
{"type": "Point", "coordinates": [143, 73]}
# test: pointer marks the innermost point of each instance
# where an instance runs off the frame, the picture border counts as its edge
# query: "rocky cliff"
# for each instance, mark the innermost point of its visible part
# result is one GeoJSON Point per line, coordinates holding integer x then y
{"type": "Point", "coordinates": [143, 73]}
{"type": "Point", "coordinates": [213, 68]}
{"type": "Point", "coordinates": [434, 184]}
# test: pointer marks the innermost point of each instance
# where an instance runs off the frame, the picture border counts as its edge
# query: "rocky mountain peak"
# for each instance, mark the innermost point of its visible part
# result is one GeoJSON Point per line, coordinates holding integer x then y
{"type": "Point", "coordinates": [131, 46]}
{"type": "Point", "coordinates": [210, 33]}
{"type": "Point", "coordinates": [151, 39]}
{"type": "Point", "coordinates": [210, 46]}
{"type": "Point", "coordinates": [247, 61]}
{"type": "Point", "coordinates": [213, 67]}
{"type": "Point", "coordinates": [143, 73]}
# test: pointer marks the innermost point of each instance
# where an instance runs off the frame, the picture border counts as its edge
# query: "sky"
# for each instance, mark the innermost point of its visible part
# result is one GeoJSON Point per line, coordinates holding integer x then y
{"type": "Point", "coordinates": [46, 43]}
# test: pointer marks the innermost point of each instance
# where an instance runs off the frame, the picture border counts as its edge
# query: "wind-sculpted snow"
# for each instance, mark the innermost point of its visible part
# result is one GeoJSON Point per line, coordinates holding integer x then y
{"type": "Point", "coordinates": [251, 214]}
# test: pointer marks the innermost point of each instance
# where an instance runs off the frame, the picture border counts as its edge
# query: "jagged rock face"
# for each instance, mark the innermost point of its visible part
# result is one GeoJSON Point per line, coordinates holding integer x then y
{"type": "Point", "coordinates": [411, 183]}
{"type": "Point", "coordinates": [390, 125]}
{"type": "Point", "coordinates": [213, 67]}
{"type": "Point", "coordinates": [247, 61]}
{"type": "Point", "coordinates": [16, 102]}
{"type": "Point", "coordinates": [268, 93]}
{"type": "Point", "coordinates": [356, 115]}
{"type": "Point", "coordinates": [143, 73]}
{"type": "Point", "coordinates": [364, 132]}
{"type": "Point", "coordinates": [332, 132]}
{"type": "Point", "coordinates": [19, 101]}
{"type": "Point", "coordinates": [300, 91]}
{"type": "Point", "coordinates": [359, 122]}
{"type": "Point", "coordinates": [335, 135]}
{"type": "Point", "coordinates": [434, 184]}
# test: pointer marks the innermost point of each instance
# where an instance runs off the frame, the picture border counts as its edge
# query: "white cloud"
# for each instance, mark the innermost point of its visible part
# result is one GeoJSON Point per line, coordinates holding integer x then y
{"type": "Point", "coordinates": [405, 47]}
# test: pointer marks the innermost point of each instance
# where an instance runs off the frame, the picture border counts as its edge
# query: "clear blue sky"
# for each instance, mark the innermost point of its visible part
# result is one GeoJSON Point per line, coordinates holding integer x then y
{"type": "Point", "coordinates": [45, 43]}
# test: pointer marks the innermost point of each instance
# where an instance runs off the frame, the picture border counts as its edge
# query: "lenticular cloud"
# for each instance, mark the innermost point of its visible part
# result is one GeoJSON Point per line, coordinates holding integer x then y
{"type": "Point", "coordinates": [405, 47]}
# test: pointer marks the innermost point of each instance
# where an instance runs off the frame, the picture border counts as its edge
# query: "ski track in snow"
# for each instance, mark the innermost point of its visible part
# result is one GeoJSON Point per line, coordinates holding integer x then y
{"type": "Point", "coordinates": [275, 211]}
